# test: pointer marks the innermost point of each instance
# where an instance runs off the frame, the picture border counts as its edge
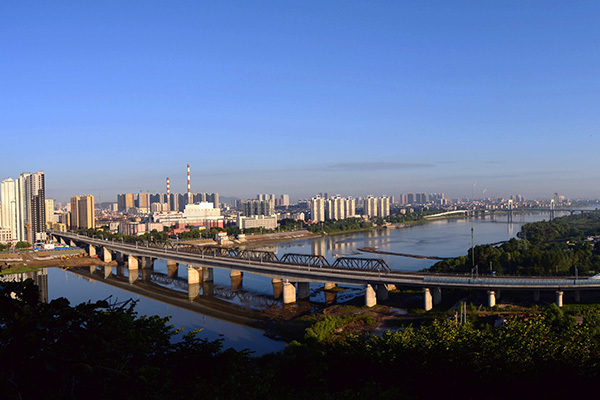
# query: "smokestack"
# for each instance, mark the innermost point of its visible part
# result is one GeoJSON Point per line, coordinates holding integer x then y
{"type": "Point", "coordinates": [168, 187]}
{"type": "Point", "coordinates": [190, 198]}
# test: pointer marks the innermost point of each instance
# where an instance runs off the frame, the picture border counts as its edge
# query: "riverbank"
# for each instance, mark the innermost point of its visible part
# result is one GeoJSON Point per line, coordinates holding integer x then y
{"type": "Point", "coordinates": [266, 238]}
{"type": "Point", "coordinates": [29, 261]}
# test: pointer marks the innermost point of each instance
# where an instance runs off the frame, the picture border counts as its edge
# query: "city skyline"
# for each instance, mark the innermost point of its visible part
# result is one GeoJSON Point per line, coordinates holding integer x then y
{"type": "Point", "coordinates": [490, 99]}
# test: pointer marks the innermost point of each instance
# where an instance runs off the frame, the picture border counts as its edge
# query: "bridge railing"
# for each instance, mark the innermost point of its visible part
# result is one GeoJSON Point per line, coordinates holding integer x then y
{"type": "Point", "coordinates": [514, 280]}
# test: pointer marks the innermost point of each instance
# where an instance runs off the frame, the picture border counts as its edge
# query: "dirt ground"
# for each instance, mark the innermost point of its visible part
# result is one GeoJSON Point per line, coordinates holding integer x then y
{"type": "Point", "coordinates": [255, 240]}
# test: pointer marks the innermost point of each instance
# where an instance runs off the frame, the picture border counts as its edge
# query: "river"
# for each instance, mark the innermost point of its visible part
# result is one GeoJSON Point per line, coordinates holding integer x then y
{"type": "Point", "coordinates": [443, 238]}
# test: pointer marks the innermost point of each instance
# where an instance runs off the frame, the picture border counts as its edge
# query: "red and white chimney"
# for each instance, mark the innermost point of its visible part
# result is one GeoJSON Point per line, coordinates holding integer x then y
{"type": "Point", "coordinates": [189, 187]}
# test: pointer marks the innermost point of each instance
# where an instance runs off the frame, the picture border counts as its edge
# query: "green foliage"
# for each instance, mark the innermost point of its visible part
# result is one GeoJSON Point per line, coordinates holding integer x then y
{"type": "Point", "coordinates": [23, 245]}
{"type": "Point", "coordinates": [543, 250]}
{"type": "Point", "coordinates": [412, 217]}
{"type": "Point", "coordinates": [326, 326]}
{"type": "Point", "coordinates": [99, 351]}
{"type": "Point", "coordinates": [340, 225]}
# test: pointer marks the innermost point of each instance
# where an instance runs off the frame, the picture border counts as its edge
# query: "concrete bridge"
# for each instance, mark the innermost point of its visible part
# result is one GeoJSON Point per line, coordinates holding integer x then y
{"type": "Point", "coordinates": [293, 273]}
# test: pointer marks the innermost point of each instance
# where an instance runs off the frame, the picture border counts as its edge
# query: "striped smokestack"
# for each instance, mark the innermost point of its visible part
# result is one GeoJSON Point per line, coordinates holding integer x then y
{"type": "Point", "coordinates": [190, 198]}
{"type": "Point", "coordinates": [168, 187]}
{"type": "Point", "coordinates": [189, 186]}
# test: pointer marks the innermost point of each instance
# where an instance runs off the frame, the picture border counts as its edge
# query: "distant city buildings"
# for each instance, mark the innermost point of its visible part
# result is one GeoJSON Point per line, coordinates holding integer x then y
{"type": "Point", "coordinates": [317, 209]}
{"type": "Point", "coordinates": [376, 207]}
{"type": "Point", "coordinates": [332, 208]}
{"type": "Point", "coordinates": [82, 212]}
{"type": "Point", "coordinates": [258, 207]}
{"type": "Point", "coordinates": [198, 214]}
{"type": "Point", "coordinates": [146, 203]}
{"type": "Point", "coordinates": [257, 221]}
{"type": "Point", "coordinates": [23, 207]}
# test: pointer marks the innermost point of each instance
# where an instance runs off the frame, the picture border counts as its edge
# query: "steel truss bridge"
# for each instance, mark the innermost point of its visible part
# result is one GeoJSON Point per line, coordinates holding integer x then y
{"type": "Point", "coordinates": [315, 268]}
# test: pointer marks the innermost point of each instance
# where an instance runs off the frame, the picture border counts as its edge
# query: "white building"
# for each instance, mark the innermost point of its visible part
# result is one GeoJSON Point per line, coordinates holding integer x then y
{"type": "Point", "coordinates": [383, 207]}
{"type": "Point", "coordinates": [350, 207]}
{"type": "Point", "coordinates": [9, 205]}
{"type": "Point", "coordinates": [370, 206]}
{"type": "Point", "coordinates": [336, 208]}
{"type": "Point", "coordinates": [317, 209]}
{"type": "Point", "coordinates": [197, 213]}
{"type": "Point", "coordinates": [257, 221]}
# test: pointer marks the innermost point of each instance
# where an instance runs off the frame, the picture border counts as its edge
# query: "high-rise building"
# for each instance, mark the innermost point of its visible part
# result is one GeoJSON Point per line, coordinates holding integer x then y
{"type": "Point", "coordinates": [37, 214]}
{"type": "Point", "coordinates": [317, 209]}
{"type": "Point", "coordinates": [30, 207]}
{"type": "Point", "coordinates": [383, 207]}
{"type": "Point", "coordinates": [82, 212]}
{"type": "Point", "coordinates": [9, 205]}
{"type": "Point", "coordinates": [350, 207]}
{"type": "Point", "coordinates": [285, 200]}
{"type": "Point", "coordinates": [259, 207]}
{"type": "Point", "coordinates": [403, 199]}
{"type": "Point", "coordinates": [142, 202]}
{"type": "Point", "coordinates": [421, 198]}
{"type": "Point", "coordinates": [336, 208]}
{"type": "Point", "coordinates": [370, 206]}
{"type": "Point", "coordinates": [410, 198]}
{"type": "Point", "coordinates": [207, 197]}
{"type": "Point", "coordinates": [50, 207]}
{"type": "Point", "coordinates": [125, 201]}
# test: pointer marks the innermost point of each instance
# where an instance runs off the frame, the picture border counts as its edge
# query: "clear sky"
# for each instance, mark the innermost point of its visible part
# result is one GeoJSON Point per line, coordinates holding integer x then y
{"type": "Point", "coordinates": [301, 97]}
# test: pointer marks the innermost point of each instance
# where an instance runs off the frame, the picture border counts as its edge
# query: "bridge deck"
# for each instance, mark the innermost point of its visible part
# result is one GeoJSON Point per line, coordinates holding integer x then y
{"type": "Point", "coordinates": [323, 273]}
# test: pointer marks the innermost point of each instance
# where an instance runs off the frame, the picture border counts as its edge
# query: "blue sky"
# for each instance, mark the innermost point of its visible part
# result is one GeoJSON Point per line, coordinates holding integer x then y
{"type": "Point", "coordinates": [355, 97]}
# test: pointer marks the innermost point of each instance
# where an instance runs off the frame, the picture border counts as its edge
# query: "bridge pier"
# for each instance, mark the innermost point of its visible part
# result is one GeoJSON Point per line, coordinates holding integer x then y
{"type": "Point", "coordinates": [427, 300]}
{"type": "Point", "coordinates": [329, 286]}
{"type": "Point", "coordinates": [370, 296]}
{"type": "Point", "coordinates": [134, 274]}
{"type": "Point", "coordinates": [536, 296]}
{"type": "Point", "coordinates": [132, 262]}
{"type": "Point", "coordinates": [91, 251]}
{"type": "Point", "coordinates": [147, 262]}
{"type": "Point", "coordinates": [236, 279]}
{"type": "Point", "coordinates": [289, 293]}
{"type": "Point", "coordinates": [491, 298]}
{"type": "Point", "coordinates": [382, 292]}
{"type": "Point", "coordinates": [390, 287]}
{"type": "Point", "coordinates": [277, 288]}
{"type": "Point", "coordinates": [120, 257]}
{"type": "Point", "coordinates": [72, 243]}
{"type": "Point", "coordinates": [207, 274]}
{"type": "Point", "coordinates": [61, 240]}
{"type": "Point", "coordinates": [172, 268]}
{"type": "Point", "coordinates": [577, 296]}
{"type": "Point", "coordinates": [437, 295]}
{"type": "Point", "coordinates": [107, 271]}
{"type": "Point", "coordinates": [559, 298]}
{"type": "Point", "coordinates": [106, 255]}
{"type": "Point", "coordinates": [193, 276]}
{"type": "Point", "coordinates": [208, 289]}
{"type": "Point", "coordinates": [193, 291]}
{"type": "Point", "coordinates": [303, 290]}
{"type": "Point", "coordinates": [146, 274]}
{"type": "Point", "coordinates": [92, 269]}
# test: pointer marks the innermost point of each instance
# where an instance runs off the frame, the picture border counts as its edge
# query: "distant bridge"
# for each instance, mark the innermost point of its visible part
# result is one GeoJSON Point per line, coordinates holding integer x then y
{"type": "Point", "coordinates": [372, 274]}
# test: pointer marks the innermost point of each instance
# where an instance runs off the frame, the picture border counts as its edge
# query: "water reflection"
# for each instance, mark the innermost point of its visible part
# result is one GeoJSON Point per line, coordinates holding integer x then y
{"type": "Point", "coordinates": [80, 285]}
{"type": "Point", "coordinates": [40, 279]}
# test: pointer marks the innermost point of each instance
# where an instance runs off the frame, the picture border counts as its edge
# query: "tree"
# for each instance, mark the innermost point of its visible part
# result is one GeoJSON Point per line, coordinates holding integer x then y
{"type": "Point", "coordinates": [23, 245]}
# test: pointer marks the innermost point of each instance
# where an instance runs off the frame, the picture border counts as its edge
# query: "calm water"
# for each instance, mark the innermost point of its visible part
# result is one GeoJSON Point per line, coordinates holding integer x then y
{"type": "Point", "coordinates": [444, 238]}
